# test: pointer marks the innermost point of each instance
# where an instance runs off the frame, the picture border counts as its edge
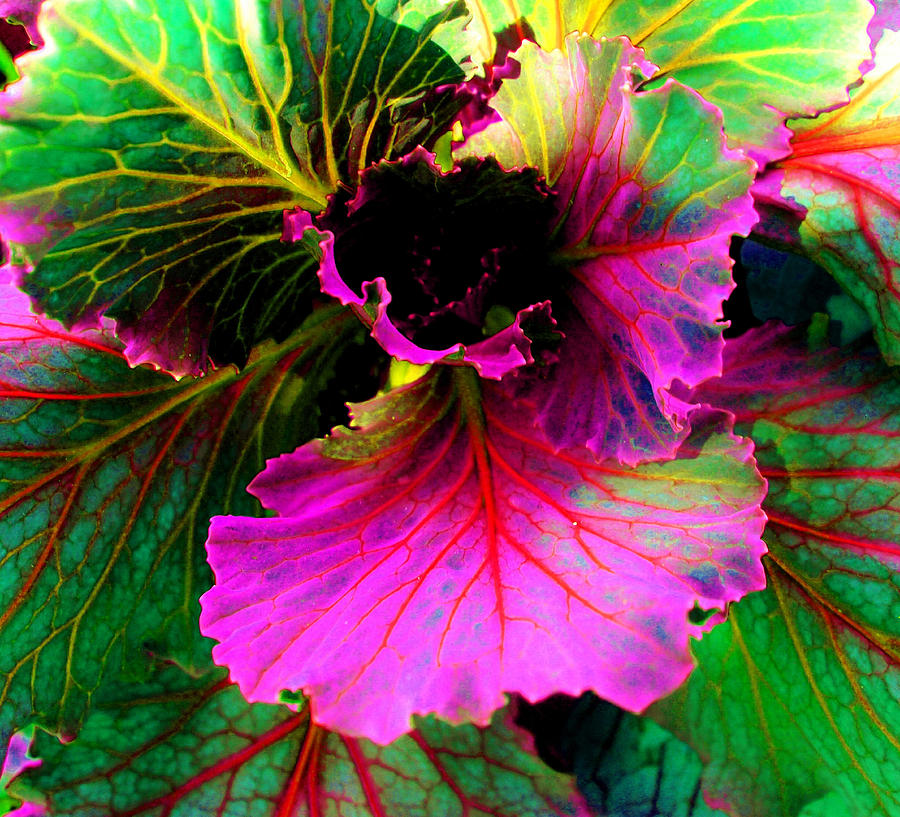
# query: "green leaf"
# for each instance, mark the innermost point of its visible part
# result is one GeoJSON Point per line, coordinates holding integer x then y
{"type": "Point", "coordinates": [794, 703]}
{"type": "Point", "coordinates": [165, 140]}
{"type": "Point", "coordinates": [108, 478]}
{"type": "Point", "coordinates": [195, 748]}
{"type": "Point", "coordinates": [746, 56]}
{"type": "Point", "coordinates": [843, 171]}
{"type": "Point", "coordinates": [8, 70]}
{"type": "Point", "coordinates": [217, 285]}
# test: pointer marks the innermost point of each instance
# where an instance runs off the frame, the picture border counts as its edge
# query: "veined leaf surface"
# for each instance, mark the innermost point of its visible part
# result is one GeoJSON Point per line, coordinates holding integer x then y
{"type": "Point", "coordinates": [442, 553]}
{"type": "Point", "coordinates": [794, 701]}
{"type": "Point", "coordinates": [195, 748]}
{"type": "Point", "coordinates": [845, 170]}
{"type": "Point", "coordinates": [151, 148]}
{"type": "Point", "coordinates": [648, 197]}
{"type": "Point", "coordinates": [757, 60]}
{"type": "Point", "coordinates": [108, 477]}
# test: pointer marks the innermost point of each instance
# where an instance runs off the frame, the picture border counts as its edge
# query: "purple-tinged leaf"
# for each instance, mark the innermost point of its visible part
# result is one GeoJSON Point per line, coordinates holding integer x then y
{"type": "Point", "coordinates": [441, 554]}
{"type": "Point", "coordinates": [647, 199]}
{"type": "Point", "coordinates": [845, 172]}
{"type": "Point", "coordinates": [887, 16]}
{"type": "Point", "coordinates": [427, 258]}
{"type": "Point", "coordinates": [19, 323]}
{"type": "Point", "coordinates": [14, 41]}
{"type": "Point", "coordinates": [794, 700]}
{"type": "Point", "coordinates": [181, 747]}
{"type": "Point", "coordinates": [477, 114]}
{"type": "Point", "coordinates": [17, 758]}
{"type": "Point", "coordinates": [28, 810]}
{"type": "Point", "coordinates": [24, 12]}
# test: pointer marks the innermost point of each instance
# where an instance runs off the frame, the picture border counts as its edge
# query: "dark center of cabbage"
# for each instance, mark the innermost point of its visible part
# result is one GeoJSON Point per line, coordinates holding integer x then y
{"type": "Point", "coordinates": [461, 253]}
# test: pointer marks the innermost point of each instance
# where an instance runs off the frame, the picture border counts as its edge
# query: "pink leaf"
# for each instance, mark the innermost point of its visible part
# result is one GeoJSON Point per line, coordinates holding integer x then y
{"type": "Point", "coordinates": [440, 554]}
{"type": "Point", "coordinates": [17, 760]}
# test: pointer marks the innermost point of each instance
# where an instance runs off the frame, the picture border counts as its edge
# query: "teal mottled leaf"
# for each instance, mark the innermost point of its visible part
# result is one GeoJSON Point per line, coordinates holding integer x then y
{"type": "Point", "coordinates": [108, 477]}
{"type": "Point", "coordinates": [629, 766]}
{"type": "Point", "coordinates": [162, 141]}
{"type": "Point", "coordinates": [181, 747]}
{"type": "Point", "coordinates": [794, 704]}
{"type": "Point", "coordinates": [789, 287]}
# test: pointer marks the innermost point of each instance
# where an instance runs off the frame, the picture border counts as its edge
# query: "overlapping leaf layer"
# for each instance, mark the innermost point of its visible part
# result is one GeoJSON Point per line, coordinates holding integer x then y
{"type": "Point", "coordinates": [150, 149]}
{"type": "Point", "coordinates": [647, 199]}
{"type": "Point", "coordinates": [757, 60]}
{"type": "Point", "coordinates": [184, 747]}
{"type": "Point", "coordinates": [109, 476]}
{"type": "Point", "coordinates": [795, 698]}
{"type": "Point", "coordinates": [555, 527]}
{"type": "Point", "coordinates": [441, 554]}
{"type": "Point", "coordinates": [844, 172]}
